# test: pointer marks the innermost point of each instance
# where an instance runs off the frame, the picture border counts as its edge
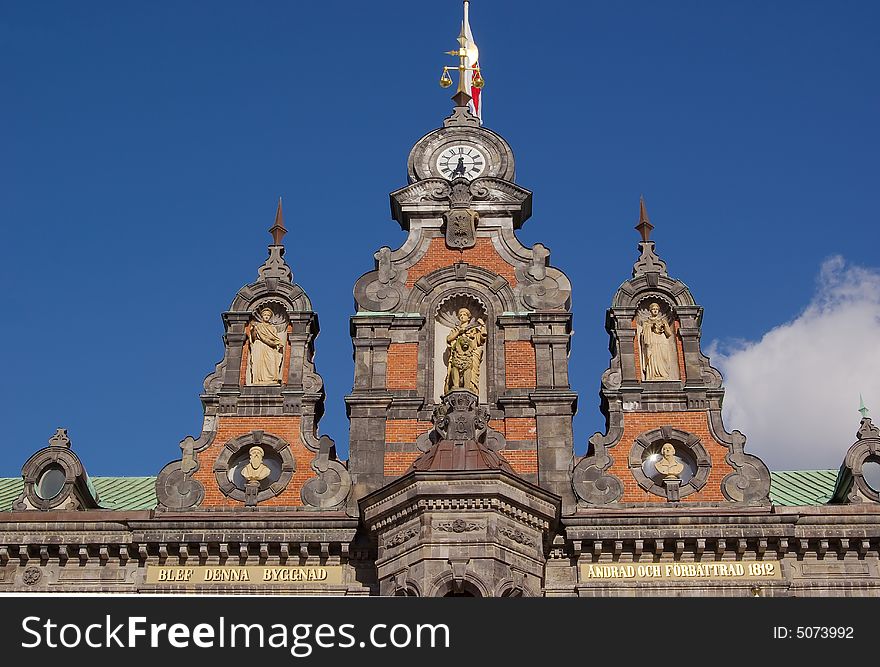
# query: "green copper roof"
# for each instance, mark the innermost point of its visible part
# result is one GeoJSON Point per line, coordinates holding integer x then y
{"type": "Point", "coordinates": [10, 489]}
{"type": "Point", "coordinates": [802, 487]}
{"type": "Point", "coordinates": [115, 493]}
{"type": "Point", "coordinates": [793, 487]}
{"type": "Point", "coordinates": [126, 493]}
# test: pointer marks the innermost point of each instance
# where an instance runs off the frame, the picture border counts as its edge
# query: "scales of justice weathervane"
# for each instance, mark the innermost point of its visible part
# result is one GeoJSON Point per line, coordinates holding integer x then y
{"type": "Point", "coordinates": [466, 52]}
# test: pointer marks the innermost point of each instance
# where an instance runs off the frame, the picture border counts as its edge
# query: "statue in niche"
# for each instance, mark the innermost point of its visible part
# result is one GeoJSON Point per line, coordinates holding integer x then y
{"type": "Point", "coordinates": [255, 471]}
{"type": "Point", "coordinates": [668, 465]}
{"type": "Point", "coordinates": [464, 347]}
{"type": "Point", "coordinates": [656, 341]}
{"type": "Point", "coordinates": [267, 351]}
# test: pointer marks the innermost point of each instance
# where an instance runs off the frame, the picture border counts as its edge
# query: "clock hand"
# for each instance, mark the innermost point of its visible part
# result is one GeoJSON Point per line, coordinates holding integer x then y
{"type": "Point", "coordinates": [460, 168]}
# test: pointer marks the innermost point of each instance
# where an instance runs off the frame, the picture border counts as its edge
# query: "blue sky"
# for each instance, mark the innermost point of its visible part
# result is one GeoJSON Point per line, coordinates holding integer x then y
{"type": "Point", "coordinates": [144, 146]}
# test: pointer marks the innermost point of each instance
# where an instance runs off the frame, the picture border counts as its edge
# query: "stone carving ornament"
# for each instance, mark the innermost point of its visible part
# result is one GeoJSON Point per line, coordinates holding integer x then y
{"type": "Point", "coordinates": [262, 486]}
{"type": "Point", "coordinates": [457, 526]}
{"type": "Point", "coordinates": [517, 536]}
{"type": "Point", "coordinates": [461, 226]}
{"type": "Point", "coordinates": [464, 351]}
{"type": "Point", "coordinates": [266, 349]}
{"type": "Point", "coordinates": [853, 484]}
{"type": "Point", "coordinates": [669, 463]}
{"type": "Point", "coordinates": [332, 483]}
{"type": "Point", "coordinates": [381, 290]}
{"type": "Point", "coordinates": [401, 537]}
{"type": "Point", "coordinates": [32, 576]}
{"type": "Point", "coordinates": [543, 287]}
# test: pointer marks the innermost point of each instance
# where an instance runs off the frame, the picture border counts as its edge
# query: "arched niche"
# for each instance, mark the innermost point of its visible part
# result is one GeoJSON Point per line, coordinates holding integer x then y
{"type": "Point", "coordinates": [449, 314]}
{"type": "Point", "coordinates": [448, 586]}
{"type": "Point", "coordinates": [495, 296]}
{"type": "Point", "coordinates": [656, 340]}
{"type": "Point", "coordinates": [264, 365]}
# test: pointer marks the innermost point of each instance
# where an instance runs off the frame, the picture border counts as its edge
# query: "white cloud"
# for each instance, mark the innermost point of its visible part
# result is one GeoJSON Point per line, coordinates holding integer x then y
{"type": "Point", "coordinates": [795, 392]}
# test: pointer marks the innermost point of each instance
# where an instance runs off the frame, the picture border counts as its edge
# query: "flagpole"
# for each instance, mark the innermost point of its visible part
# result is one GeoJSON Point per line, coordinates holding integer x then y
{"type": "Point", "coordinates": [462, 74]}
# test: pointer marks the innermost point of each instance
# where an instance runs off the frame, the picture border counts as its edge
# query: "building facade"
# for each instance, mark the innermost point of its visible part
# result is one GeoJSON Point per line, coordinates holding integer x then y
{"type": "Point", "coordinates": [461, 478]}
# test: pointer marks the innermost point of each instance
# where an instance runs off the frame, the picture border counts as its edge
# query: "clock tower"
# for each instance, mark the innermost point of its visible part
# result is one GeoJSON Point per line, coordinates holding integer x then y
{"type": "Point", "coordinates": [462, 305]}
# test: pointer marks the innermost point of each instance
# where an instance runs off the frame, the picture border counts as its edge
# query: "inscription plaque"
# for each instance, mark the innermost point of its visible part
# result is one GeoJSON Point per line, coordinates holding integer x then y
{"type": "Point", "coordinates": [714, 571]}
{"type": "Point", "coordinates": [244, 575]}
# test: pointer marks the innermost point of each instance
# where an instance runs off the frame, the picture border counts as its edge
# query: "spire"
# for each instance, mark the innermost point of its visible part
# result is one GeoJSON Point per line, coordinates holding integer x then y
{"type": "Point", "coordinates": [275, 267]}
{"type": "Point", "coordinates": [649, 262]}
{"type": "Point", "coordinates": [862, 409]}
{"type": "Point", "coordinates": [644, 227]}
{"type": "Point", "coordinates": [278, 230]}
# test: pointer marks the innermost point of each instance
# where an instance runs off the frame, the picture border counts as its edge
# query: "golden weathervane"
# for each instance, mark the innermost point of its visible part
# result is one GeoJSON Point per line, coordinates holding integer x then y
{"type": "Point", "coordinates": [464, 51]}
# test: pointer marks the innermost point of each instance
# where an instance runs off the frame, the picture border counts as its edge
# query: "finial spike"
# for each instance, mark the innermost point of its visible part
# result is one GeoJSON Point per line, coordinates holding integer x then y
{"type": "Point", "coordinates": [461, 98]}
{"type": "Point", "coordinates": [60, 438]}
{"type": "Point", "coordinates": [278, 230]}
{"type": "Point", "coordinates": [644, 227]}
{"type": "Point", "coordinates": [862, 409]}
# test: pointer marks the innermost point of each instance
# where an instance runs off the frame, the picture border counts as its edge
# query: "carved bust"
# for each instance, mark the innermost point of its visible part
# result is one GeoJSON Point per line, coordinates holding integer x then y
{"type": "Point", "coordinates": [668, 465]}
{"type": "Point", "coordinates": [255, 471]}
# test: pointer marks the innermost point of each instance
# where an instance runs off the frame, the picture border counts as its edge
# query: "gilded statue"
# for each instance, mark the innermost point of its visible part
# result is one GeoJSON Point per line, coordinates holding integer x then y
{"type": "Point", "coordinates": [266, 351]}
{"type": "Point", "coordinates": [255, 471]}
{"type": "Point", "coordinates": [668, 465]}
{"type": "Point", "coordinates": [464, 347]}
{"type": "Point", "coordinates": [656, 341]}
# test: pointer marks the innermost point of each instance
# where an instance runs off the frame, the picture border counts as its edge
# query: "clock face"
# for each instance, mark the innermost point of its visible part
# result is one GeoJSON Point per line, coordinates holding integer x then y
{"type": "Point", "coordinates": [460, 161]}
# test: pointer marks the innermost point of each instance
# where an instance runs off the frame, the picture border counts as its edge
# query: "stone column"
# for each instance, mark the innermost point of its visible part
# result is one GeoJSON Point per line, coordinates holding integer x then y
{"type": "Point", "coordinates": [367, 405]}
{"type": "Point", "coordinates": [689, 329]}
{"type": "Point", "coordinates": [621, 319]}
{"type": "Point", "coordinates": [555, 403]}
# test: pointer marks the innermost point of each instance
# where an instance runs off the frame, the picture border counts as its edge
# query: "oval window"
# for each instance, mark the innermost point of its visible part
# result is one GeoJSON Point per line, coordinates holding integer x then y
{"type": "Point", "coordinates": [243, 458]}
{"type": "Point", "coordinates": [675, 461]}
{"type": "Point", "coordinates": [871, 473]}
{"type": "Point", "coordinates": [51, 482]}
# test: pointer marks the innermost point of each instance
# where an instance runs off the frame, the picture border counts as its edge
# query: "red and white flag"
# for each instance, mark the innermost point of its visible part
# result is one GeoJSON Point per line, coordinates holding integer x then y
{"type": "Point", "coordinates": [473, 55]}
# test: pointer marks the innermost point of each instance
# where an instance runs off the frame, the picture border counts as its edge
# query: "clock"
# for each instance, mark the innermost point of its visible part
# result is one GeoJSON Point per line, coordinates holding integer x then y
{"type": "Point", "coordinates": [460, 161]}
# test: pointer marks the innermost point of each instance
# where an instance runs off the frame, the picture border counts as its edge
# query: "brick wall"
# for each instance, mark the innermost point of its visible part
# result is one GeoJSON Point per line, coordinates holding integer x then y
{"type": "Point", "coordinates": [634, 424]}
{"type": "Point", "coordinates": [286, 428]}
{"type": "Point", "coordinates": [397, 463]}
{"type": "Point", "coordinates": [637, 346]}
{"type": "Point", "coordinates": [483, 254]}
{"type": "Point", "coordinates": [519, 364]}
{"type": "Point", "coordinates": [680, 351]}
{"type": "Point", "coordinates": [405, 430]}
{"type": "Point", "coordinates": [402, 367]}
{"type": "Point", "coordinates": [516, 428]}
{"type": "Point", "coordinates": [523, 461]}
